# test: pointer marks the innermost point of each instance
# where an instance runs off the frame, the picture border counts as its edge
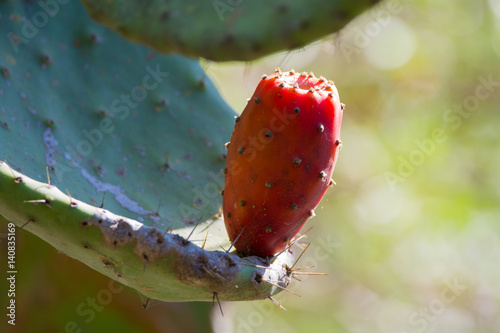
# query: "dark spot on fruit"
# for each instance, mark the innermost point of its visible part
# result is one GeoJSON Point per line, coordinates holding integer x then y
{"type": "Point", "coordinates": [242, 203]}
{"type": "Point", "coordinates": [256, 100]}
{"type": "Point", "coordinates": [268, 229]}
{"type": "Point", "coordinates": [224, 171]}
{"type": "Point", "coordinates": [321, 128]}
{"type": "Point", "coordinates": [311, 213]}
{"type": "Point", "coordinates": [294, 206]}
{"type": "Point", "coordinates": [268, 134]}
{"type": "Point", "coordinates": [332, 182]}
{"type": "Point", "coordinates": [241, 150]}
{"type": "Point", "coordinates": [338, 143]}
{"type": "Point", "coordinates": [296, 110]}
{"type": "Point", "coordinates": [281, 85]}
{"type": "Point", "coordinates": [228, 214]}
{"type": "Point", "coordinates": [285, 240]}
{"type": "Point", "coordinates": [342, 105]}
{"type": "Point", "coordinates": [322, 175]}
{"type": "Point", "coordinates": [236, 119]}
{"type": "Point", "coordinates": [311, 90]}
{"type": "Point", "coordinates": [292, 72]}
{"type": "Point", "coordinates": [297, 161]}
{"type": "Point", "coordinates": [264, 77]}
{"type": "Point", "coordinates": [269, 184]}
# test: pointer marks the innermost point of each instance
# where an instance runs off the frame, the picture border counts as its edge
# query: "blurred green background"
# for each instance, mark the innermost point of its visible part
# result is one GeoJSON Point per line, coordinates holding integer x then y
{"type": "Point", "coordinates": [408, 237]}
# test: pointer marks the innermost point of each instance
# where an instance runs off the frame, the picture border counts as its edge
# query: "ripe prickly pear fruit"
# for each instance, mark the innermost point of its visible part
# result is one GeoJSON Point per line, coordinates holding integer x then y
{"type": "Point", "coordinates": [280, 160]}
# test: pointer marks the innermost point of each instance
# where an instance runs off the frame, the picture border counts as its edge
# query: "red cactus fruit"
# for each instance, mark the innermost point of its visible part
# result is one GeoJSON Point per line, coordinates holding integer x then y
{"type": "Point", "coordinates": [280, 160]}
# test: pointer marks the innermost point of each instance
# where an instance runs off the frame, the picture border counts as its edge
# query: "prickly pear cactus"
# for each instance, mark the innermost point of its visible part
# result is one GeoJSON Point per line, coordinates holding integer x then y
{"type": "Point", "coordinates": [223, 30]}
{"type": "Point", "coordinates": [89, 119]}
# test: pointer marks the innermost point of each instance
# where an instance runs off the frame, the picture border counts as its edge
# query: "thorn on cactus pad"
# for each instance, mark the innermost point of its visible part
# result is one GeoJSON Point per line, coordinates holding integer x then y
{"type": "Point", "coordinates": [277, 303]}
{"type": "Point", "coordinates": [72, 204]}
{"type": "Point", "coordinates": [26, 223]}
{"type": "Point", "coordinates": [36, 202]}
{"type": "Point", "coordinates": [216, 297]}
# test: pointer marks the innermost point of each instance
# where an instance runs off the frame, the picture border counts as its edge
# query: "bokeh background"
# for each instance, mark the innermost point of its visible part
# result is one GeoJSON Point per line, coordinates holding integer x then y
{"type": "Point", "coordinates": [409, 236]}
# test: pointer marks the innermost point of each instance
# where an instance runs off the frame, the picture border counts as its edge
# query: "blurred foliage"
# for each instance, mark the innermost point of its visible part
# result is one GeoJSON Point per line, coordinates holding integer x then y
{"type": "Point", "coordinates": [409, 237]}
{"type": "Point", "coordinates": [391, 249]}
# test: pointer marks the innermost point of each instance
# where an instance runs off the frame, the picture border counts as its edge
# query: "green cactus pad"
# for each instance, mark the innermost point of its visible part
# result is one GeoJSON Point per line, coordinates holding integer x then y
{"type": "Point", "coordinates": [113, 124]}
{"type": "Point", "coordinates": [224, 30]}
